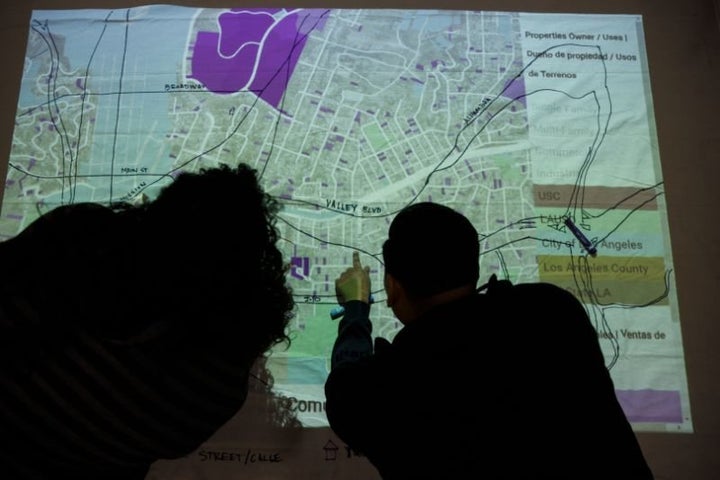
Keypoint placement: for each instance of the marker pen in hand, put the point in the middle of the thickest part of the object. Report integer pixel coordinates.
(339, 311)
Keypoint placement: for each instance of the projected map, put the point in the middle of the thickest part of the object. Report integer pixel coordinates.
(523, 122)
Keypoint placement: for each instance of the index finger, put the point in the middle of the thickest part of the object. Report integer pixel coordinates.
(356, 260)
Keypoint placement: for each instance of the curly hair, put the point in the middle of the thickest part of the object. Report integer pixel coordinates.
(147, 320)
(214, 236)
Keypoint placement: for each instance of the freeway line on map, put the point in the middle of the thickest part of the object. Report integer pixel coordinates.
(427, 172)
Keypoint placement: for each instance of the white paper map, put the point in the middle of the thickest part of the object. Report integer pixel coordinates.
(518, 120)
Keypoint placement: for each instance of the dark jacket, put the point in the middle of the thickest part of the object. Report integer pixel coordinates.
(510, 386)
(86, 391)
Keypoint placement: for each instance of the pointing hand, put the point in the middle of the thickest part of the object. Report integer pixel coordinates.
(353, 283)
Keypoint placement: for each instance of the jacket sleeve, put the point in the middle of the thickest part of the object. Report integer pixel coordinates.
(354, 340)
(352, 385)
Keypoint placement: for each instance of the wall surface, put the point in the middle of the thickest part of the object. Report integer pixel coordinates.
(683, 49)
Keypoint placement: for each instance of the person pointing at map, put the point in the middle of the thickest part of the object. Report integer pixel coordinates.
(501, 381)
(128, 332)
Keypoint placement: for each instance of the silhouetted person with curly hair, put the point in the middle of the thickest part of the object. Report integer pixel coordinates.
(128, 332)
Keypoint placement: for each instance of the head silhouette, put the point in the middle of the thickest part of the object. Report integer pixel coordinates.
(430, 249)
(210, 241)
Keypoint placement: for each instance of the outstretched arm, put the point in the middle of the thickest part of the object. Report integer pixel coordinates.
(354, 340)
(351, 389)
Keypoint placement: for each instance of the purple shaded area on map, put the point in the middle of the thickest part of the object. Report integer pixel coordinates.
(516, 90)
(652, 406)
(255, 49)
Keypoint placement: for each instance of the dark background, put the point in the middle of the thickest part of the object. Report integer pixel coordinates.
(683, 49)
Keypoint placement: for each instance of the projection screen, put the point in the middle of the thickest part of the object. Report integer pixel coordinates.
(529, 124)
